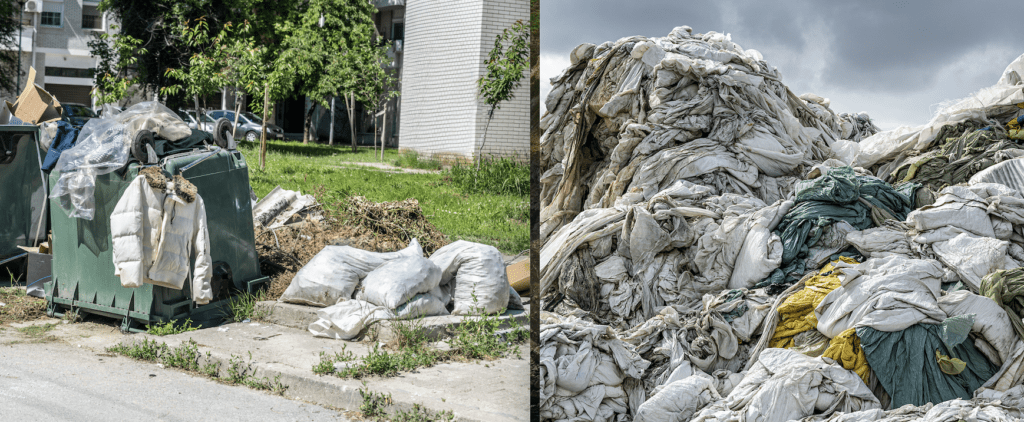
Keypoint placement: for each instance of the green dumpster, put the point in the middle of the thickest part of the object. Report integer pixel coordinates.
(22, 194)
(83, 267)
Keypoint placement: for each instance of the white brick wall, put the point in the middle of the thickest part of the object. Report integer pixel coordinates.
(445, 46)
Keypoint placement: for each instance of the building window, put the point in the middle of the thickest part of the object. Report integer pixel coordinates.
(398, 31)
(51, 15)
(90, 22)
(68, 72)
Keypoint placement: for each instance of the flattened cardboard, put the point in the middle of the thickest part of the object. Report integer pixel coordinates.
(35, 105)
(519, 275)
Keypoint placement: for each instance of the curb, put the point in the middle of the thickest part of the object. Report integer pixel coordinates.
(434, 328)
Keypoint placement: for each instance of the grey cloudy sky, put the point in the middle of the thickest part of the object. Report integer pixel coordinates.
(896, 60)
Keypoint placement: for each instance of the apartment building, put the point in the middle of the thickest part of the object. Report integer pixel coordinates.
(54, 40)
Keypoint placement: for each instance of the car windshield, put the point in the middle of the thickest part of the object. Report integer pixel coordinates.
(252, 118)
(186, 116)
(78, 111)
(206, 118)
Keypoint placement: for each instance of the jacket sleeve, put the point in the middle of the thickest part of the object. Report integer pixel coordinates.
(202, 292)
(126, 234)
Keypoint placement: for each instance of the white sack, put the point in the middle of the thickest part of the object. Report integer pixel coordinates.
(421, 305)
(334, 273)
(972, 257)
(397, 281)
(475, 269)
(347, 319)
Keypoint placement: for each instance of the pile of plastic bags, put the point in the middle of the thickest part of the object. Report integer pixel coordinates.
(728, 250)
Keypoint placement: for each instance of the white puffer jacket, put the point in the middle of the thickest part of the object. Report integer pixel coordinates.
(155, 227)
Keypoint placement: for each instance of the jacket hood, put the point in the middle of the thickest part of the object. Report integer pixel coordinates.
(158, 180)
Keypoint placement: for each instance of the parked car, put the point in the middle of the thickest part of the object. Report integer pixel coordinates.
(189, 117)
(249, 125)
(76, 114)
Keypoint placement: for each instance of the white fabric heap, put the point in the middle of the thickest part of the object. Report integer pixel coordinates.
(948, 411)
(587, 372)
(887, 294)
(785, 385)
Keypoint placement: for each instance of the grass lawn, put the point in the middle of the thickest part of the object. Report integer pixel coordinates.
(499, 220)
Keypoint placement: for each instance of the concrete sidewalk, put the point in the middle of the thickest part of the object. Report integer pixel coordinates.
(496, 390)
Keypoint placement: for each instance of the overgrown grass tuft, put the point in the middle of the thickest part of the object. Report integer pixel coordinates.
(503, 176)
(411, 159)
(242, 307)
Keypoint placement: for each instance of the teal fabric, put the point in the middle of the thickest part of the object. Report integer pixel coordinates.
(904, 363)
(834, 197)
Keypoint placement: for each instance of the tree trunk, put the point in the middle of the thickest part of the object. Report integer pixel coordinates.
(199, 125)
(238, 110)
(330, 137)
(307, 123)
(483, 139)
(263, 130)
(351, 103)
(384, 133)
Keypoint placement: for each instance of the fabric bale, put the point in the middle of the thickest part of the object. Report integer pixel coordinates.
(906, 366)
(678, 401)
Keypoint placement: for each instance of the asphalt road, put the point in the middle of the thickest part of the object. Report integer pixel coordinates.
(55, 381)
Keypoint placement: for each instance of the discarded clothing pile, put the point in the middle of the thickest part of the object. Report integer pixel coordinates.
(357, 288)
(773, 260)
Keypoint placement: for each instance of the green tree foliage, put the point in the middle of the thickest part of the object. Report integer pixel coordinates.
(506, 63)
(9, 46)
(334, 49)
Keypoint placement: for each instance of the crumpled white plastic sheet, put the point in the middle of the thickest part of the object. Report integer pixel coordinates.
(786, 385)
(586, 371)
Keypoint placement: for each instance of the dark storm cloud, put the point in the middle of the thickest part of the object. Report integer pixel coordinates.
(889, 51)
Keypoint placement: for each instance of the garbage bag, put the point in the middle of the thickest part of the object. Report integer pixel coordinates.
(334, 273)
(347, 319)
(476, 274)
(102, 147)
(421, 305)
(396, 281)
(906, 366)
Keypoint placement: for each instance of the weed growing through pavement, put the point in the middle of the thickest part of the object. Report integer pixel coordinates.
(374, 404)
(477, 337)
(171, 327)
(186, 356)
(243, 307)
(421, 414)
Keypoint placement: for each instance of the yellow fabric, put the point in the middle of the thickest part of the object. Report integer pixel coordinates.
(796, 313)
(845, 349)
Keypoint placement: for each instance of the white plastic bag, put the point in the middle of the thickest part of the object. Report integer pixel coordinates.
(347, 319)
(334, 273)
(478, 274)
(421, 305)
(397, 281)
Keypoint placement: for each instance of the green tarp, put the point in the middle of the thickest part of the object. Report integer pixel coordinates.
(839, 195)
(905, 364)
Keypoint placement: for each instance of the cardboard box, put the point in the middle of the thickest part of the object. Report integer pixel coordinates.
(519, 275)
(35, 105)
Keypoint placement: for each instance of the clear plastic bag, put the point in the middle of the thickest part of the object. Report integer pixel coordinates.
(102, 147)
(155, 117)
